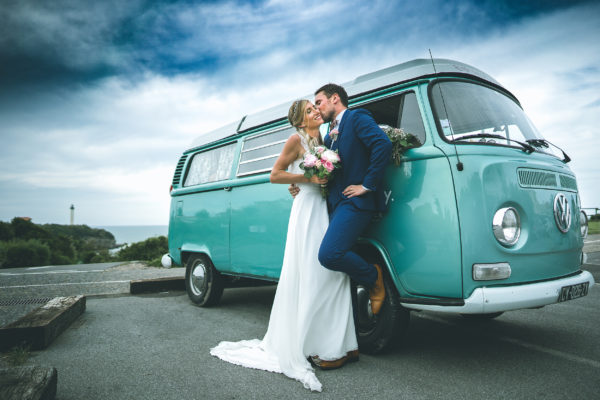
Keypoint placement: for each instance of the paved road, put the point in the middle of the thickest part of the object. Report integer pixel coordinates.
(157, 347)
(87, 279)
(18, 286)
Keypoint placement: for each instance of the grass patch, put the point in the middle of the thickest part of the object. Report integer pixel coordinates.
(594, 227)
(18, 355)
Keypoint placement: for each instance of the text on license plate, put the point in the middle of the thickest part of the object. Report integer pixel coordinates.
(573, 291)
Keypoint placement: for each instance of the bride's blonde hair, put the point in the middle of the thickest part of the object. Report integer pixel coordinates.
(296, 118)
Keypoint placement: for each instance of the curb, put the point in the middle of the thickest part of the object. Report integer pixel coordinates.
(156, 285)
(44, 324)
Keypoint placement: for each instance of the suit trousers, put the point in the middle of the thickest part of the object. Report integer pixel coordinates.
(346, 224)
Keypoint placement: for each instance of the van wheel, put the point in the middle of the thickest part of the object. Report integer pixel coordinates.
(203, 283)
(482, 316)
(376, 332)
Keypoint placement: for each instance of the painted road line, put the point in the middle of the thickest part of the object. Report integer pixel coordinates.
(50, 272)
(530, 346)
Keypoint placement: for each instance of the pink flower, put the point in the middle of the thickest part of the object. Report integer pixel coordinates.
(309, 160)
(320, 149)
(329, 155)
(318, 164)
(328, 166)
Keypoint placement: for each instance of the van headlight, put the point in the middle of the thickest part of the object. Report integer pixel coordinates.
(507, 226)
(583, 223)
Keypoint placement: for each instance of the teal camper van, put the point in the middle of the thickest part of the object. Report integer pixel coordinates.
(483, 217)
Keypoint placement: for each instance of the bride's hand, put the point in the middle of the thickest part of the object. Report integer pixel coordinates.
(316, 179)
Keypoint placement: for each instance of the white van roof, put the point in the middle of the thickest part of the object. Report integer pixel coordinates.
(408, 71)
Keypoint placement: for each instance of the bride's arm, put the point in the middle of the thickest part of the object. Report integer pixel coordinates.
(290, 152)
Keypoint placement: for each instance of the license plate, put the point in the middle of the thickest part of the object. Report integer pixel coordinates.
(573, 291)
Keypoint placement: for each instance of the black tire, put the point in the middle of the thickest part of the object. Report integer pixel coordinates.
(482, 317)
(203, 283)
(377, 332)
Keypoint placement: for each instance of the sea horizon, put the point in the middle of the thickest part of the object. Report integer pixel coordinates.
(134, 233)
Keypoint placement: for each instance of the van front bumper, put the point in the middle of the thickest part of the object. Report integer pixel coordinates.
(487, 300)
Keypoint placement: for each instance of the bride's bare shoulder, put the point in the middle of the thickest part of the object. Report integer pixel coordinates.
(294, 139)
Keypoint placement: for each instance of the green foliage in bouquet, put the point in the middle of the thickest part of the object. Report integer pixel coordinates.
(401, 141)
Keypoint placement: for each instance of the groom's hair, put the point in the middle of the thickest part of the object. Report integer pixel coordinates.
(331, 88)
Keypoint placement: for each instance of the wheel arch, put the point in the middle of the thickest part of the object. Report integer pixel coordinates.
(186, 253)
(371, 249)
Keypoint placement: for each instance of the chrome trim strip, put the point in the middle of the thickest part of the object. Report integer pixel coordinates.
(258, 159)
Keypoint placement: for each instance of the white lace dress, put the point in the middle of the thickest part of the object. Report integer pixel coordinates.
(312, 309)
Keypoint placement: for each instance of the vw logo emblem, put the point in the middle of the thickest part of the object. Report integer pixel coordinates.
(562, 212)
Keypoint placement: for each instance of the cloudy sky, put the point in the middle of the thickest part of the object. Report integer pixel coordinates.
(99, 98)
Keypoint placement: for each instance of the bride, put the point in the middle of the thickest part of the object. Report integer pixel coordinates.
(311, 316)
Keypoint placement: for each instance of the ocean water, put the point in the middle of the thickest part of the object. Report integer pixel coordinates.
(135, 233)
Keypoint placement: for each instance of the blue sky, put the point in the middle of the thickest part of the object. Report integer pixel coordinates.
(99, 99)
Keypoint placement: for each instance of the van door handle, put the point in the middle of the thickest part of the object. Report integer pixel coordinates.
(227, 189)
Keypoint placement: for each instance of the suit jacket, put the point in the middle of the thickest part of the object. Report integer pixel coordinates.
(365, 151)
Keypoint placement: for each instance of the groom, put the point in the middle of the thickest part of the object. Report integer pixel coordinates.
(364, 150)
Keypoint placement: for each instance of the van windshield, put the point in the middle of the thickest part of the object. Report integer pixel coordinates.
(477, 114)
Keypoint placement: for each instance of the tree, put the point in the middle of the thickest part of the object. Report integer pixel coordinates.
(6, 232)
(147, 250)
(25, 229)
(26, 253)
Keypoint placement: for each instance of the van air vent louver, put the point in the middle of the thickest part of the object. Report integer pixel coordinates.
(537, 179)
(179, 170)
(568, 182)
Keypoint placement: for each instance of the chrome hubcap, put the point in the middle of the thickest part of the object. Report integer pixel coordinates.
(197, 278)
(366, 319)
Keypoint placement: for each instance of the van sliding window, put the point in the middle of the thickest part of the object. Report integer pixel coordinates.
(259, 152)
(399, 111)
(211, 165)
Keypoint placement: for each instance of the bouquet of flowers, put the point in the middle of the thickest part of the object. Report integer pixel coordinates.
(321, 162)
(401, 141)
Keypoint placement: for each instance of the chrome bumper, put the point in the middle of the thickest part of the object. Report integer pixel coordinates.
(487, 300)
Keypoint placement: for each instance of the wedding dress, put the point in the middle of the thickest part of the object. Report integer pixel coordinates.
(312, 309)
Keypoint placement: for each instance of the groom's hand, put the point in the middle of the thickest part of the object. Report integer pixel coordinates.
(354, 190)
(293, 189)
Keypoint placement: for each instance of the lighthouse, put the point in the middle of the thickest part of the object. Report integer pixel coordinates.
(72, 214)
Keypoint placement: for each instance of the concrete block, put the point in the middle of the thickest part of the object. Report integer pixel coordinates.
(28, 383)
(41, 326)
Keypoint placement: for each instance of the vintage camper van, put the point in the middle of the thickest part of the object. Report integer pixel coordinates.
(483, 217)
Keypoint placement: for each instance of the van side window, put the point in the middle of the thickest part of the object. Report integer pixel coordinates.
(211, 165)
(400, 111)
(410, 118)
(259, 152)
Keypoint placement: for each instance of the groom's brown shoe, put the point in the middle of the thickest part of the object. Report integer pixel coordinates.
(377, 292)
(352, 355)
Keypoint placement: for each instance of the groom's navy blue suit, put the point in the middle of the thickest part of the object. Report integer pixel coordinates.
(364, 150)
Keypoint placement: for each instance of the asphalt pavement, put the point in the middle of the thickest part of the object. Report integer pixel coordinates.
(157, 346)
(24, 289)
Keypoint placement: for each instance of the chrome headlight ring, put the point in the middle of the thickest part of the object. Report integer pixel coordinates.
(506, 226)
